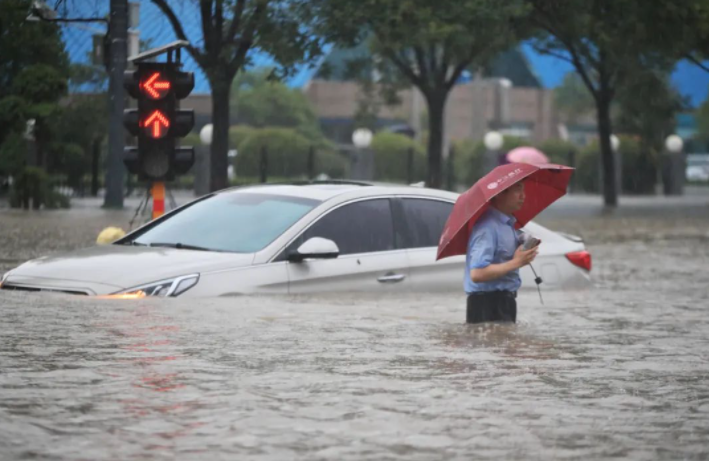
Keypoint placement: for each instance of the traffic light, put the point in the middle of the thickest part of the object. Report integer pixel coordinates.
(158, 122)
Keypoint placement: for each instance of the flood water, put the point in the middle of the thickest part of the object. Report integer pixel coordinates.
(618, 371)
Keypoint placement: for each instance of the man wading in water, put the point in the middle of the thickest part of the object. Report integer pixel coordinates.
(494, 258)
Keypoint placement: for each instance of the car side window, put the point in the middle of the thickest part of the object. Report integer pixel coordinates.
(425, 220)
(360, 227)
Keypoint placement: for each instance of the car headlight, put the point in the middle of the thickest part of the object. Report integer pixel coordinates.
(164, 288)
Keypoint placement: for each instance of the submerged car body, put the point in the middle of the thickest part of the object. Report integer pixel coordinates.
(309, 238)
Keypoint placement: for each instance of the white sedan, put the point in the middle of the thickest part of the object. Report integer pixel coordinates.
(314, 237)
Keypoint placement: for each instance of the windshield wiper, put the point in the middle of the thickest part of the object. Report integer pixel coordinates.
(132, 243)
(179, 246)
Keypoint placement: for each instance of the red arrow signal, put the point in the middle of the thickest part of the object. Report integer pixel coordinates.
(155, 88)
(157, 124)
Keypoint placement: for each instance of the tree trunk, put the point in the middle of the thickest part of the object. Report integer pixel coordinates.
(436, 107)
(605, 130)
(219, 161)
(95, 157)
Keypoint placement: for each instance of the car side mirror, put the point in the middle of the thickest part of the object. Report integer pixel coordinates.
(315, 248)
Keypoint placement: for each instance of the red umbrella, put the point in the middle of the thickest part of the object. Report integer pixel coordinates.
(544, 184)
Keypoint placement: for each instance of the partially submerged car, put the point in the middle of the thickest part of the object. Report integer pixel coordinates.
(295, 238)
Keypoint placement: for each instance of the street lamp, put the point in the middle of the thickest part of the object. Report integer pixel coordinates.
(362, 161)
(205, 134)
(202, 161)
(673, 166)
(493, 140)
(362, 138)
(617, 165)
(615, 143)
(674, 144)
(493, 143)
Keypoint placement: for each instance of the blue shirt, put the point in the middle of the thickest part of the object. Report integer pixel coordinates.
(493, 240)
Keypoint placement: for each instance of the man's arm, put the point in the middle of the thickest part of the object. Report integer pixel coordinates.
(495, 271)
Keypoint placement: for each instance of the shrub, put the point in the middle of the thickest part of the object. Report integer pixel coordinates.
(469, 156)
(391, 157)
(287, 154)
(32, 186)
(638, 166)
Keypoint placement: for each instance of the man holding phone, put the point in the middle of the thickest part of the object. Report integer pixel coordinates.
(494, 258)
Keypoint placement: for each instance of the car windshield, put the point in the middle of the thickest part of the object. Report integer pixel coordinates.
(241, 222)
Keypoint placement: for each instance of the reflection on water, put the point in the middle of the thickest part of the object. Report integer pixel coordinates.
(618, 371)
(588, 375)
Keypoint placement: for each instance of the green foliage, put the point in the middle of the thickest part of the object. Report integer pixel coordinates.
(572, 98)
(702, 115)
(469, 158)
(13, 154)
(468, 161)
(391, 157)
(72, 133)
(611, 44)
(287, 154)
(588, 169)
(238, 134)
(639, 167)
(33, 67)
(13, 113)
(557, 150)
(41, 86)
(32, 187)
(192, 139)
(72, 161)
(260, 101)
(229, 31)
(647, 106)
(423, 43)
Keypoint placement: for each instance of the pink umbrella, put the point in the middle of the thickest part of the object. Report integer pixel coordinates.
(527, 155)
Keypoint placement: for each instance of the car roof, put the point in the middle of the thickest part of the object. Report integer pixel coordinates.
(326, 190)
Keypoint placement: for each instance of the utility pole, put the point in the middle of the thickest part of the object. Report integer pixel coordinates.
(118, 37)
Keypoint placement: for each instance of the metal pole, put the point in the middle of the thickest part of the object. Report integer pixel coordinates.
(95, 157)
(263, 166)
(158, 193)
(572, 164)
(311, 163)
(118, 30)
(410, 166)
(451, 171)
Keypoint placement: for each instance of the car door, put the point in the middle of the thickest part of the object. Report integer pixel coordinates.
(370, 257)
(423, 220)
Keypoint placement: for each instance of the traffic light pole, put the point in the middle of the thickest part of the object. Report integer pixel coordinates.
(118, 29)
(158, 193)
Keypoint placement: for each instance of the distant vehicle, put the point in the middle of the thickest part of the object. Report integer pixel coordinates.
(697, 167)
(309, 238)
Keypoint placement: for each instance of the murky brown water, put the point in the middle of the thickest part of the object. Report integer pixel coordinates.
(618, 371)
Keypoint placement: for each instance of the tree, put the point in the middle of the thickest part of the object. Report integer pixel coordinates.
(647, 107)
(703, 122)
(33, 68)
(261, 102)
(230, 29)
(426, 43)
(572, 98)
(607, 41)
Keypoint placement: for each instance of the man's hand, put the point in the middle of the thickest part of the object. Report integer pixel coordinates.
(495, 271)
(524, 257)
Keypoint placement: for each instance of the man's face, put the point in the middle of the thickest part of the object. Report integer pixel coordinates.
(512, 199)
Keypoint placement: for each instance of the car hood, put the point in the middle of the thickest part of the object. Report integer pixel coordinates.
(115, 267)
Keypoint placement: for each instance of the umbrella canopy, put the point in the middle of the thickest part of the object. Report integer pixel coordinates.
(543, 185)
(527, 155)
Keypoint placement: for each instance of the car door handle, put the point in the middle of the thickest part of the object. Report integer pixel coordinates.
(391, 278)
